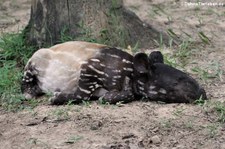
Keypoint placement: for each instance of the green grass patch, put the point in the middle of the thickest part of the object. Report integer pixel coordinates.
(13, 56)
(210, 106)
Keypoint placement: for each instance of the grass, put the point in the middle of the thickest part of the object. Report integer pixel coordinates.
(219, 107)
(13, 56)
(36, 141)
(213, 71)
(210, 106)
(181, 54)
(212, 130)
(179, 111)
(61, 113)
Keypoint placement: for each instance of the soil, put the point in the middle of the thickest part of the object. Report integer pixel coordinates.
(138, 124)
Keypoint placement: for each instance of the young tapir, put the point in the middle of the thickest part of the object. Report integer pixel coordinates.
(157, 81)
(80, 70)
(77, 71)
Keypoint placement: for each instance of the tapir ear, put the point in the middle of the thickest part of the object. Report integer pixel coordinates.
(156, 57)
(141, 63)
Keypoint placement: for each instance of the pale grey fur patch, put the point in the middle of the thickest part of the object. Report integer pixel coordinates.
(83, 62)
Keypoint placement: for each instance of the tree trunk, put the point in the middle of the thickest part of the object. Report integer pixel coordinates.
(103, 21)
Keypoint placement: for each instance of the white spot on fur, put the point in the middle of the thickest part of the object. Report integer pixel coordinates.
(114, 80)
(28, 71)
(101, 79)
(141, 83)
(152, 87)
(128, 69)
(117, 71)
(102, 65)
(87, 75)
(126, 61)
(95, 60)
(96, 70)
(106, 75)
(97, 85)
(94, 83)
(112, 55)
(153, 92)
(84, 90)
(141, 88)
(91, 87)
(162, 90)
(78, 96)
(116, 77)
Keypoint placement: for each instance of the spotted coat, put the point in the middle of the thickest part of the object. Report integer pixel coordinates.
(78, 71)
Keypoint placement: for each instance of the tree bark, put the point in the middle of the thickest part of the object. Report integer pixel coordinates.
(103, 21)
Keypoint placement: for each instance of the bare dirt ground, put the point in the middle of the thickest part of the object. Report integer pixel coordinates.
(138, 124)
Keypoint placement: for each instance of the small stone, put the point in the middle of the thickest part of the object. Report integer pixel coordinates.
(155, 139)
(96, 125)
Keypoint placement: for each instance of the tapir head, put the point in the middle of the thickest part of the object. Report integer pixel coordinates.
(157, 81)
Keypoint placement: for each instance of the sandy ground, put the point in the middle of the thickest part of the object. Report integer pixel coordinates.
(138, 124)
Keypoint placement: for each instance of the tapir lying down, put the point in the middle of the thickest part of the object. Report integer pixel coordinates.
(78, 70)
